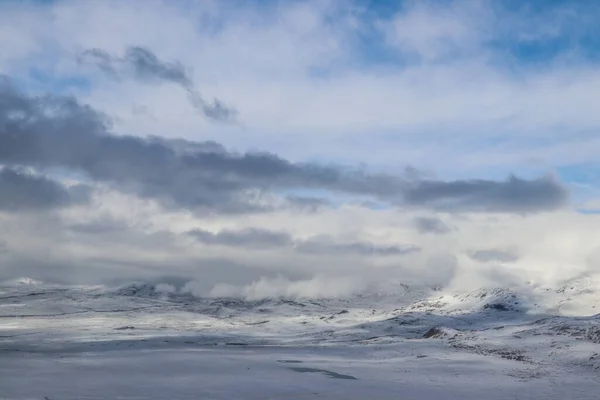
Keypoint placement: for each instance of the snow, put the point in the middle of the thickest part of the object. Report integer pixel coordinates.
(144, 342)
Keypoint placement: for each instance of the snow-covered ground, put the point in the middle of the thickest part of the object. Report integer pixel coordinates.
(139, 343)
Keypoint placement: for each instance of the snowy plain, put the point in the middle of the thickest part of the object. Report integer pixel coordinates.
(139, 342)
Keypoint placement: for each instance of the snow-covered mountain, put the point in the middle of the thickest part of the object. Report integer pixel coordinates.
(493, 335)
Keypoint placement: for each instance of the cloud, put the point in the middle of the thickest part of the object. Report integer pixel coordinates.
(431, 225)
(57, 131)
(23, 191)
(319, 245)
(99, 226)
(513, 195)
(165, 288)
(326, 245)
(305, 203)
(432, 31)
(249, 237)
(494, 255)
(317, 287)
(142, 64)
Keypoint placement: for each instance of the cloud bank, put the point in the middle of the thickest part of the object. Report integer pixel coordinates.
(59, 132)
(261, 238)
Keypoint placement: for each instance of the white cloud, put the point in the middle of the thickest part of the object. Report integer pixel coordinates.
(165, 288)
(317, 287)
(432, 30)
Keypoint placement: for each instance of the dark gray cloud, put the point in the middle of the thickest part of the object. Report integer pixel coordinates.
(56, 131)
(250, 237)
(513, 195)
(101, 59)
(215, 110)
(146, 65)
(323, 245)
(431, 225)
(142, 64)
(326, 245)
(310, 204)
(22, 191)
(101, 226)
(494, 255)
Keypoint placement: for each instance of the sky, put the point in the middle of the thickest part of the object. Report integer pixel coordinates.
(299, 148)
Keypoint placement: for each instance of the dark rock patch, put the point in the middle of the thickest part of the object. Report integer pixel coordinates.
(498, 307)
(434, 332)
(125, 328)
